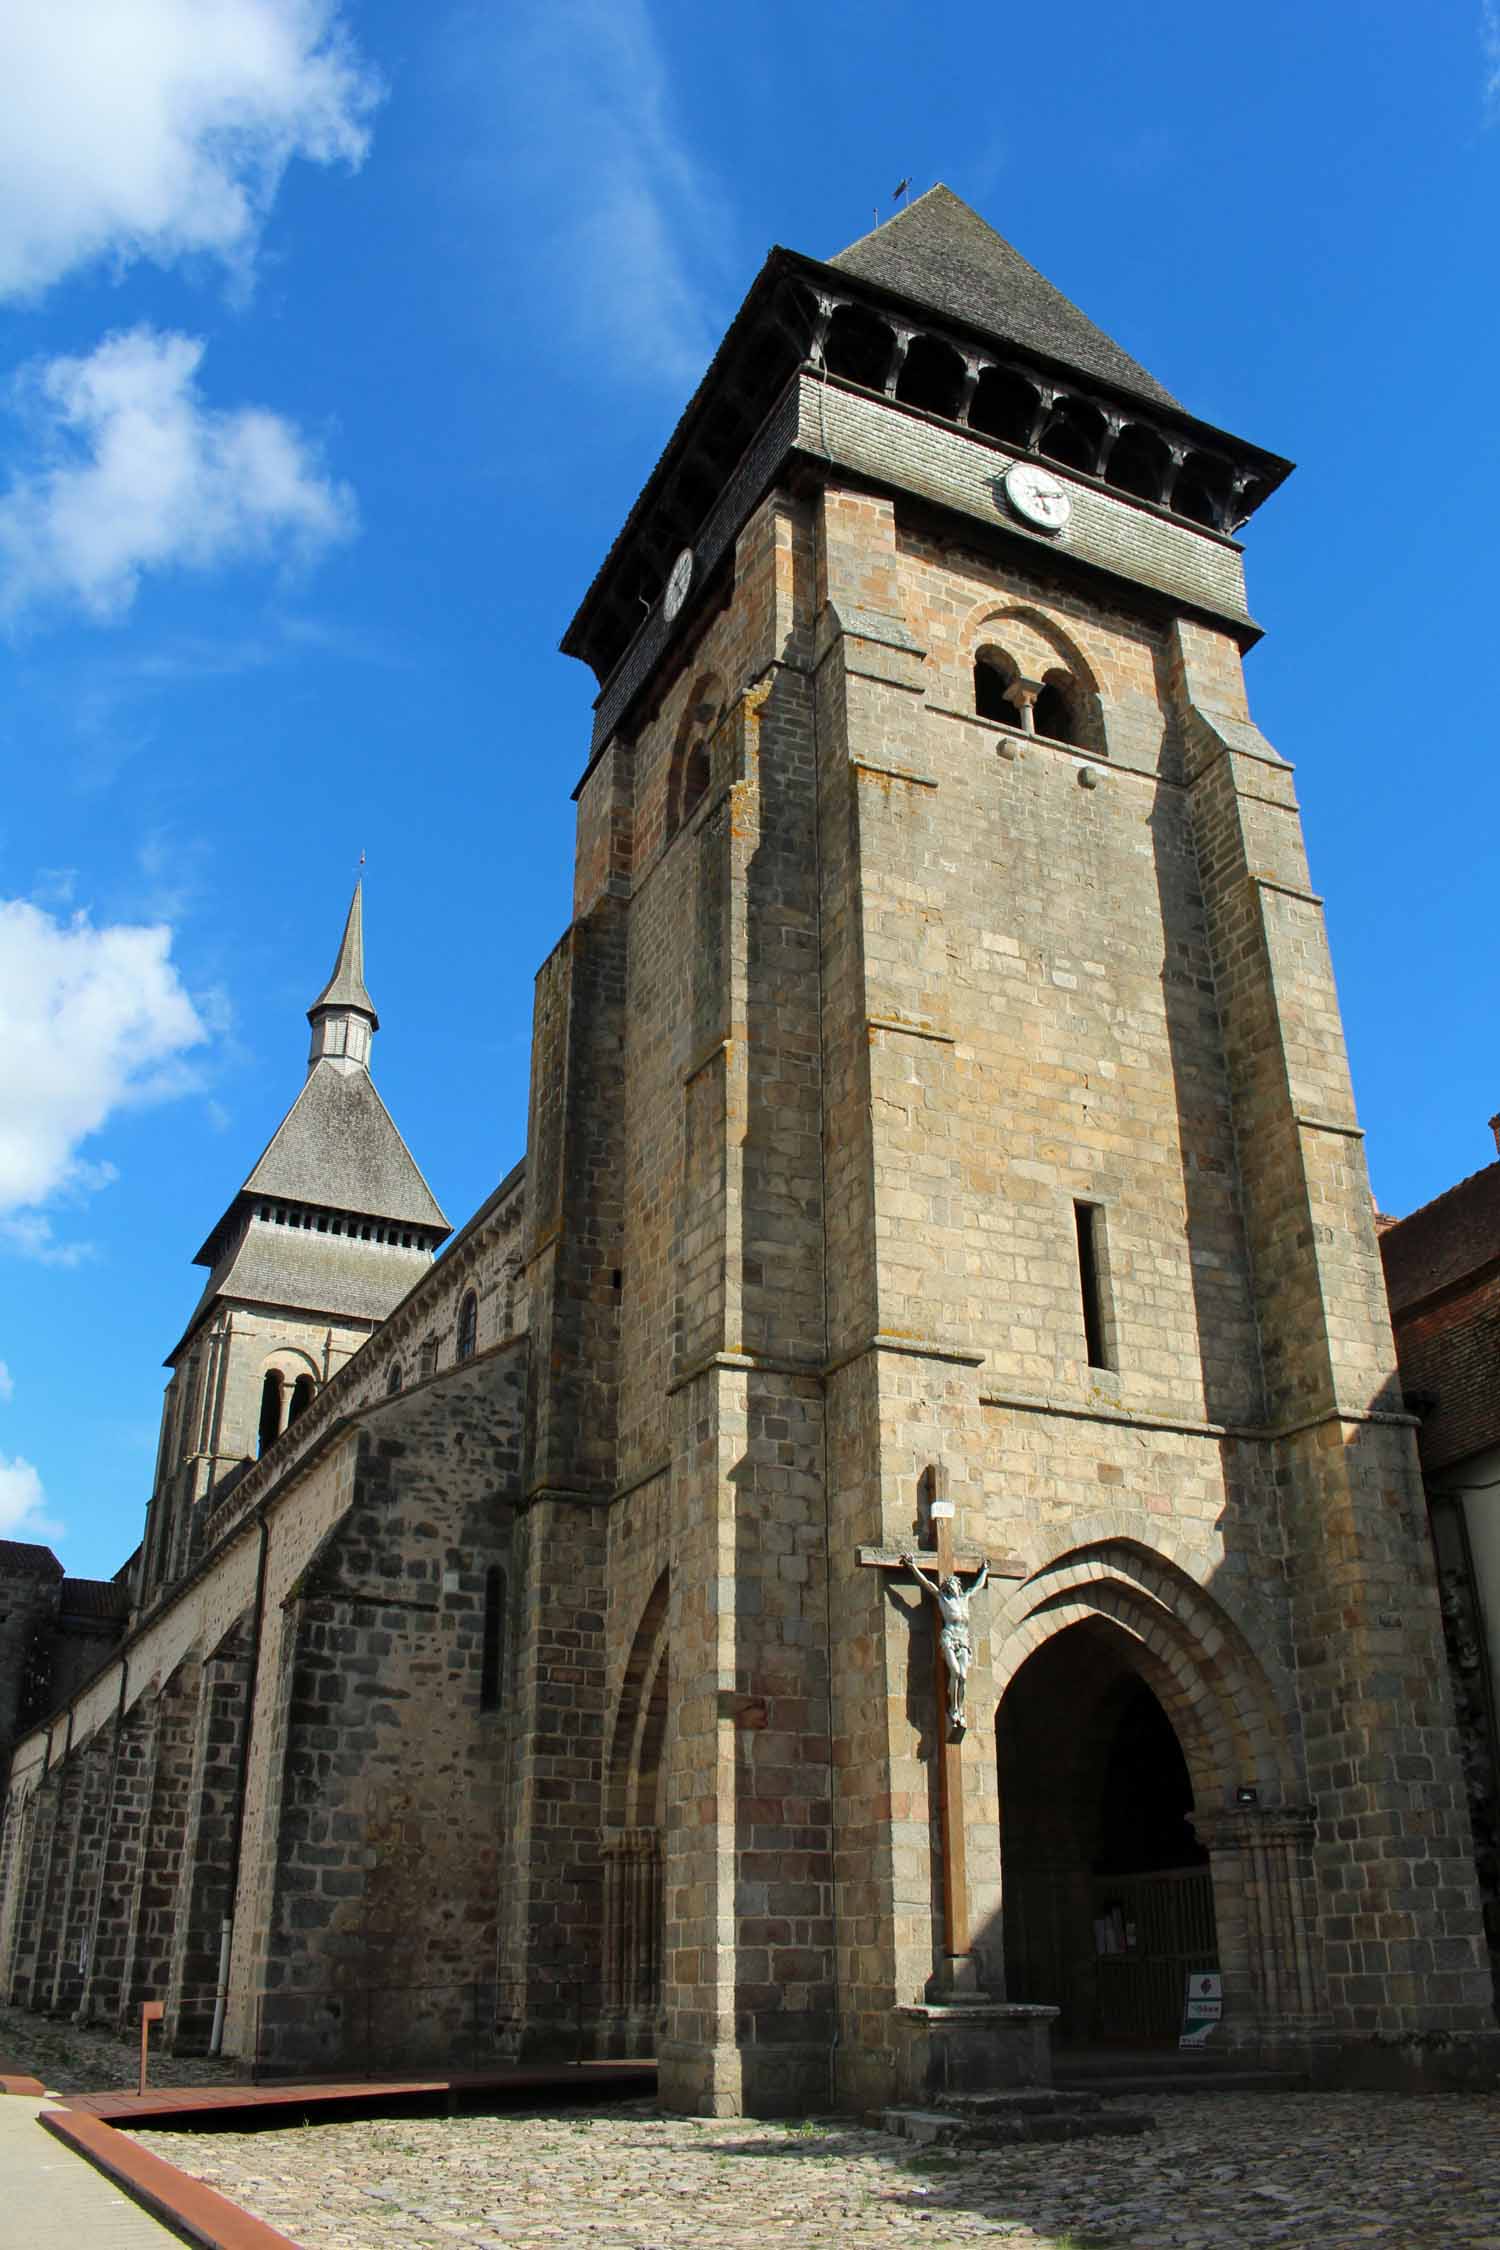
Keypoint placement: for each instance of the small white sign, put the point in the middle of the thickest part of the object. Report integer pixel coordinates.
(941, 1508)
(1203, 2007)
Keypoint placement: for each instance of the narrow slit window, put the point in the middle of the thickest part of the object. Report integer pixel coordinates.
(492, 1662)
(1089, 1220)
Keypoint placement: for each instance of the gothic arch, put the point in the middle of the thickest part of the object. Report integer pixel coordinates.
(1228, 1704)
(630, 1748)
(634, 1898)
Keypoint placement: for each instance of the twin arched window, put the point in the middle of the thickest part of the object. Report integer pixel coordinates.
(468, 1326)
(1054, 709)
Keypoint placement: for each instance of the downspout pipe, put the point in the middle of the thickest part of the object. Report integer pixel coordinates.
(242, 1781)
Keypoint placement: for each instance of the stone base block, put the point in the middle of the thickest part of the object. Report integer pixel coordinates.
(1434, 2062)
(961, 2046)
(787, 2080)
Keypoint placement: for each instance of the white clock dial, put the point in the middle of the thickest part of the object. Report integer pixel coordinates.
(1037, 497)
(678, 584)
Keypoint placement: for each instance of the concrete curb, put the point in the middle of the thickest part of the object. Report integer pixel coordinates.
(198, 2213)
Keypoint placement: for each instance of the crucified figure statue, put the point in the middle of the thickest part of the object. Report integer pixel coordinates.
(955, 1639)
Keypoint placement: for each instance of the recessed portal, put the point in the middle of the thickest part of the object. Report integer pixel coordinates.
(1108, 1899)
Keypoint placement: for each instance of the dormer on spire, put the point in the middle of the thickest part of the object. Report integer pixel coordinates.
(343, 1016)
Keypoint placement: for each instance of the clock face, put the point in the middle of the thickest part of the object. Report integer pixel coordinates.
(678, 584)
(1037, 497)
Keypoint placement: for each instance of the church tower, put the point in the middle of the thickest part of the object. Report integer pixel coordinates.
(942, 1142)
(333, 1226)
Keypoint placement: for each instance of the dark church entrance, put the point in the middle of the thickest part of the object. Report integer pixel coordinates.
(1108, 1898)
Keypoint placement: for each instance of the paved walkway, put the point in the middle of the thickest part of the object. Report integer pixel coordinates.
(51, 2200)
(1220, 2172)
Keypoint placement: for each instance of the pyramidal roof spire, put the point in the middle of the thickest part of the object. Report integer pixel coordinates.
(343, 1015)
(937, 251)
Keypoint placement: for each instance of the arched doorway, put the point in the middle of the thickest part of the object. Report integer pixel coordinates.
(1107, 1890)
(634, 1897)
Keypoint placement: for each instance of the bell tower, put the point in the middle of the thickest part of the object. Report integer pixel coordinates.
(940, 1088)
(332, 1227)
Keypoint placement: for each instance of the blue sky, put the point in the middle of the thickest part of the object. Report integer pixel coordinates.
(335, 343)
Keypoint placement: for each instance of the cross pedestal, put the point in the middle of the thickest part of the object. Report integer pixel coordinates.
(958, 2037)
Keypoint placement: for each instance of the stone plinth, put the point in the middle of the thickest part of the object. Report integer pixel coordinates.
(959, 2046)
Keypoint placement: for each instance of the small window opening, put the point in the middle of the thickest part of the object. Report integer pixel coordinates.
(302, 1398)
(1089, 1220)
(932, 377)
(393, 1381)
(694, 780)
(270, 1411)
(992, 676)
(468, 1326)
(1053, 713)
(1004, 406)
(492, 1662)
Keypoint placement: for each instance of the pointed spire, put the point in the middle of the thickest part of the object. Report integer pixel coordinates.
(343, 1015)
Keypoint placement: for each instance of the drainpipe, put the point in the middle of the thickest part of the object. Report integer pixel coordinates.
(226, 1927)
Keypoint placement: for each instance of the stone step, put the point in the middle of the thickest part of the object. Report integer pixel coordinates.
(951, 2128)
(1219, 2080)
(1018, 2101)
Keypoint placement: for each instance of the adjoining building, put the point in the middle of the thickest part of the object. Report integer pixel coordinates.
(940, 1143)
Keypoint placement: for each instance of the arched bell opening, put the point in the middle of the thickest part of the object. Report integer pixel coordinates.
(269, 1428)
(932, 377)
(860, 347)
(1074, 435)
(1005, 406)
(1108, 1894)
(1138, 462)
(1201, 492)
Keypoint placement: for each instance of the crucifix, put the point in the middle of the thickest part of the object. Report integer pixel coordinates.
(939, 1570)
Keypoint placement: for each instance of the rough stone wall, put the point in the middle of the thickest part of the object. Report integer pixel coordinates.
(383, 1834)
(30, 1581)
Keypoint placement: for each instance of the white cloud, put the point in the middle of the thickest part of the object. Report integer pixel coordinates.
(161, 129)
(23, 1503)
(135, 472)
(92, 1021)
(597, 169)
(1489, 48)
(7, 1383)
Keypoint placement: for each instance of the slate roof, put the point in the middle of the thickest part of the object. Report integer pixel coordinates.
(27, 1558)
(102, 1598)
(317, 1273)
(346, 987)
(1443, 1242)
(939, 252)
(338, 1147)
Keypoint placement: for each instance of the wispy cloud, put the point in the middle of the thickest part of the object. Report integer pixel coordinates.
(7, 1384)
(23, 1504)
(1489, 48)
(131, 471)
(588, 158)
(160, 129)
(92, 1021)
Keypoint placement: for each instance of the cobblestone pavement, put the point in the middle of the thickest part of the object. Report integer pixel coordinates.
(71, 2061)
(1258, 2172)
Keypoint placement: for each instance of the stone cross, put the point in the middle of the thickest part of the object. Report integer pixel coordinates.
(940, 1558)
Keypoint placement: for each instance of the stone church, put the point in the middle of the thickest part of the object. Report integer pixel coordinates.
(941, 1159)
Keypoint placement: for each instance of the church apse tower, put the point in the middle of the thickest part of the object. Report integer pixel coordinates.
(333, 1226)
(941, 1130)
